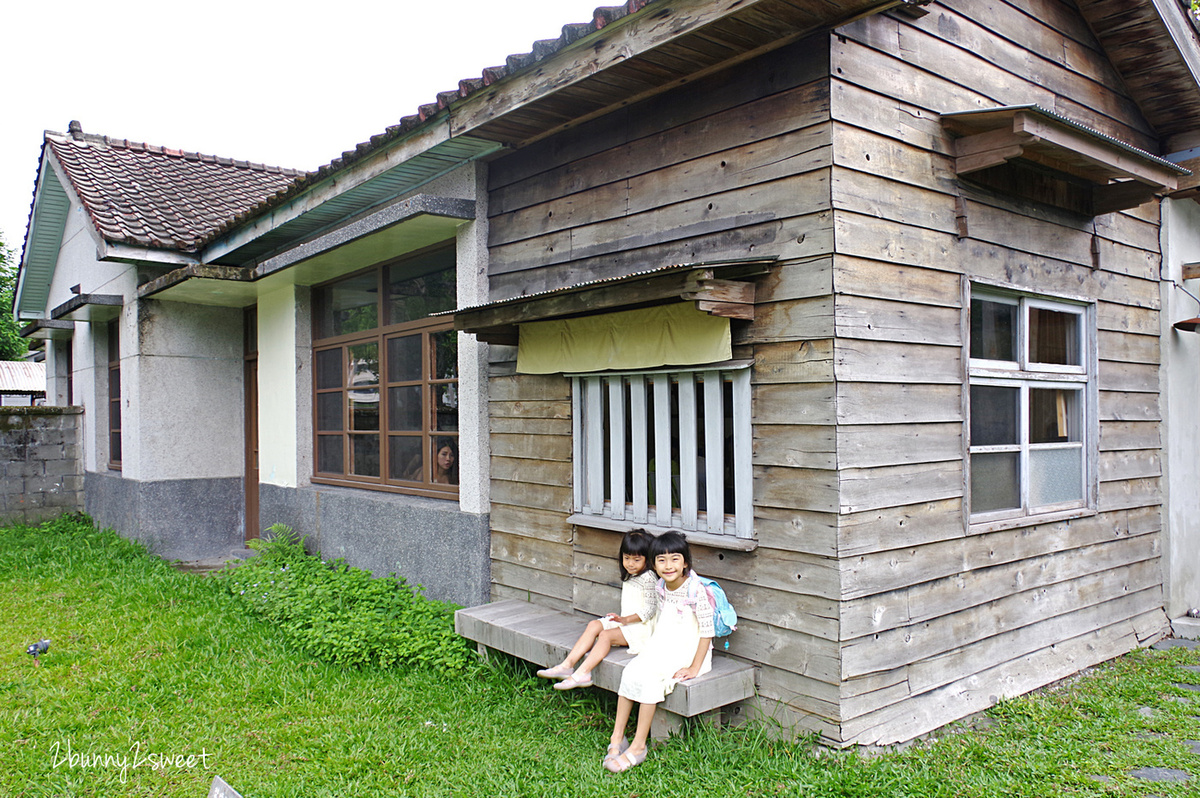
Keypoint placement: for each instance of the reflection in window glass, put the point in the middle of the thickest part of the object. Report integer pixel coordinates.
(404, 458)
(348, 306)
(364, 410)
(993, 330)
(329, 368)
(1028, 422)
(404, 408)
(1053, 415)
(447, 407)
(330, 457)
(386, 385)
(994, 415)
(363, 366)
(1053, 337)
(445, 347)
(404, 358)
(364, 451)
(421, 286)
(329, 412)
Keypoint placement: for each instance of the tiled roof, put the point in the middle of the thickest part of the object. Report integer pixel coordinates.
(158, 197)
(514, 63)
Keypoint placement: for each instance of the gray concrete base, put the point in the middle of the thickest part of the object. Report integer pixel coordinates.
(177, 519)
(429, 542)
(1186, 627)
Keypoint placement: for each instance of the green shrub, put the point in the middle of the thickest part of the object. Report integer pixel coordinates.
(342, 614)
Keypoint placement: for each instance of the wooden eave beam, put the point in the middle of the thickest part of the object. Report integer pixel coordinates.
(1057, 146)
(730, 298)
(665, 25)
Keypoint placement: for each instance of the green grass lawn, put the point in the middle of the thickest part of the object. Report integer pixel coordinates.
(149, 666)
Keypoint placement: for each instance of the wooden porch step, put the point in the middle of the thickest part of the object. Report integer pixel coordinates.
(544, 636)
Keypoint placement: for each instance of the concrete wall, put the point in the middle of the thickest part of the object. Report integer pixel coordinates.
(177, 519)
(40, 472)
(427, 541)
(1181, 427)
(182, 392)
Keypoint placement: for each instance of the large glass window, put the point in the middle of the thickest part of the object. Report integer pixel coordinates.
(665, 449)
(1028, 430)
(386, 377)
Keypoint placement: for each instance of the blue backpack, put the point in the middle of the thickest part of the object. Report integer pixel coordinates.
(724, 616)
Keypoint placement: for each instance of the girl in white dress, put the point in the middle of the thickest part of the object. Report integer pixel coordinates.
(639, 602)
(680, 649)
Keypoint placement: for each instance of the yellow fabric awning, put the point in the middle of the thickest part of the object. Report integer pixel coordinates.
(667, 335)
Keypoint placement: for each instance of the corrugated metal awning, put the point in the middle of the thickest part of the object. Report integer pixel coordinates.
(19, 376)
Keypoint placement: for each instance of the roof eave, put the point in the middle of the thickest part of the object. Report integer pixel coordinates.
(479, 114)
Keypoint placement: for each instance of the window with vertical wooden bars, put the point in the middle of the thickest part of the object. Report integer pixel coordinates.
(668, 449)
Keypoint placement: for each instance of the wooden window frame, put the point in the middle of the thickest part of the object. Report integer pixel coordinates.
(114, 400)
(1026, 376)
(427, 327)
(599, 402)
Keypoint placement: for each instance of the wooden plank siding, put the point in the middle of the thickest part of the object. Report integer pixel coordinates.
(875, 609)
(933, 609)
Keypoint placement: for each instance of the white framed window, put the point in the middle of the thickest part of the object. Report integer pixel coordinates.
(1030, 425)
(628, 427)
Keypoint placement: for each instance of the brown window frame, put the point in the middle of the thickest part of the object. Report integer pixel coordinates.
(114, 395)
(379, 336)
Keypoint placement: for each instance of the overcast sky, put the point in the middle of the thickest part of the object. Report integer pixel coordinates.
(283, 83)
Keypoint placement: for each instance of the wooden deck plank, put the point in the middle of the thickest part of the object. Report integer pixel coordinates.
(543, 636)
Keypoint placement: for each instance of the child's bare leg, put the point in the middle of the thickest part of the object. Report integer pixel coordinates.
(642, 735)
(624, 709)
(600, 649)
(581, 647)
(584, 643)
(636, 752)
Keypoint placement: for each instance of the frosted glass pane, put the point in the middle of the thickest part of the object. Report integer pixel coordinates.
(995, 481)
(1055, 475)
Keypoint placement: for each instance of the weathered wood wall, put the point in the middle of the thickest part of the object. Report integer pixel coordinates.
(737, 165)
(876, 611)
(939, 617)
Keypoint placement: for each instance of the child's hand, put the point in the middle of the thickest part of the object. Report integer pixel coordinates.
(612, 616)
(683, 674)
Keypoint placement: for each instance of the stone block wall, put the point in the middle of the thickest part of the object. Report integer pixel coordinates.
(41, 470)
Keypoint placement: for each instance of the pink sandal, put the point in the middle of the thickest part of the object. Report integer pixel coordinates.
(622, 763)
(615, 750)
(559, 671)
(570, 683)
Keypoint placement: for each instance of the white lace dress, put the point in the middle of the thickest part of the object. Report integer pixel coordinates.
(638, 597)
(678, 629)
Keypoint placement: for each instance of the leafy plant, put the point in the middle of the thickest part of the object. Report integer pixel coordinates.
(342, 614)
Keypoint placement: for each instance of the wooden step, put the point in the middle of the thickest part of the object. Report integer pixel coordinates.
(544, 636)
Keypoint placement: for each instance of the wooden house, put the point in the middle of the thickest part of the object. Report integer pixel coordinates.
(872, 299)
(927, 466)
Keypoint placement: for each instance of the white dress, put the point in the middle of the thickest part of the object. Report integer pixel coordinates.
(638, 597)
(678, 629)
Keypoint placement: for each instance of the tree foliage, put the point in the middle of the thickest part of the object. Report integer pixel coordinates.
(12, 345)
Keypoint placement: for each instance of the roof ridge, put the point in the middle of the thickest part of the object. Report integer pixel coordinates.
(77, 137)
